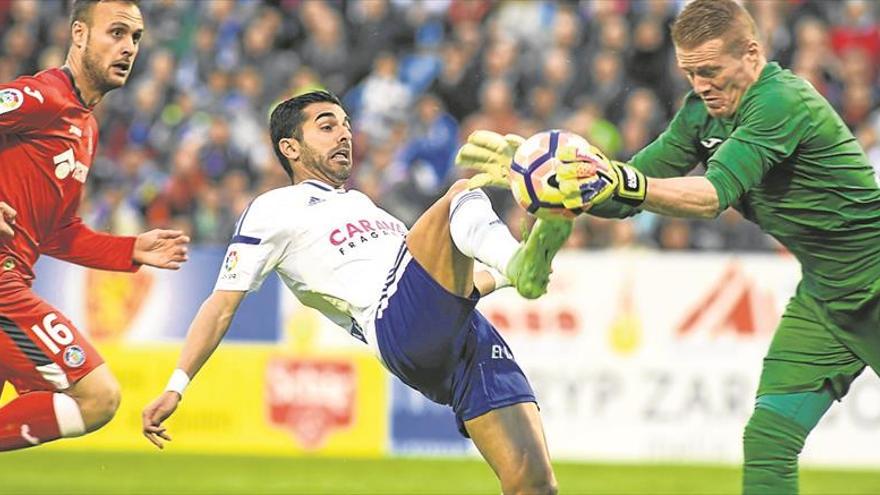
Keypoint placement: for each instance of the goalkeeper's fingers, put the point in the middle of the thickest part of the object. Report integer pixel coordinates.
(570, 153)
(489, 140)
(584, 193)
(575, 170)
(514, 140)
(575, 202)
(487, 180)
(477, 157)
(577, 158)
(567, 154)
(571, 178)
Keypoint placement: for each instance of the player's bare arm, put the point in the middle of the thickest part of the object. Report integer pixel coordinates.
(692, 197)
(161, 248)
(7, 218)
(204, 335)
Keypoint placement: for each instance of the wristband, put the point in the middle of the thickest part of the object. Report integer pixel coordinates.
(633, 186)
(178, 382)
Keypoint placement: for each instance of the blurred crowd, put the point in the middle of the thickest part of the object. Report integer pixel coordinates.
(185, 143)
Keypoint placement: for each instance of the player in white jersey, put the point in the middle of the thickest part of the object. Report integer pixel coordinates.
(409, 295)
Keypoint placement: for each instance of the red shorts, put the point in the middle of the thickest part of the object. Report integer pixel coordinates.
(40, 349)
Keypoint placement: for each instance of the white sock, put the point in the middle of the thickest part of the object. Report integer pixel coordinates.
(68, 415)
(478, 232)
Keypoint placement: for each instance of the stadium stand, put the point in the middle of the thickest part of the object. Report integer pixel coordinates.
(185, 145)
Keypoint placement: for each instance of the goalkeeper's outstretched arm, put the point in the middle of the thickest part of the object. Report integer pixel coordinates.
(655, 180)
(205, 334)
(619, 190)
(690, 197)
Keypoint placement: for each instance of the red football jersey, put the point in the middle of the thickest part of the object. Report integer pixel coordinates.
(48, 138)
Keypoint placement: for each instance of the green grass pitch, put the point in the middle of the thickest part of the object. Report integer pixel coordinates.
(69, 472)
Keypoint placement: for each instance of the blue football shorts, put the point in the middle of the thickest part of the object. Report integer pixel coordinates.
(439, 344)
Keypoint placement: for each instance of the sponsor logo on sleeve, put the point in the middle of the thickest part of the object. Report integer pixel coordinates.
(231, 261)
(10, 99)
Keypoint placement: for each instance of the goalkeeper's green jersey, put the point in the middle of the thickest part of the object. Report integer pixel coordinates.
(787, 162)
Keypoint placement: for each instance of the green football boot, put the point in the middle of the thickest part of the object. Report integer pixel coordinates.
(529, 269)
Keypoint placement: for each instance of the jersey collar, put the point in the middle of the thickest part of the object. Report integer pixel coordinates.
(322, 185)
(769, 70)
(66, 70)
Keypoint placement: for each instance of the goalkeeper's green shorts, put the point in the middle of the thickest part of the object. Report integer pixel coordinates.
(822, 341)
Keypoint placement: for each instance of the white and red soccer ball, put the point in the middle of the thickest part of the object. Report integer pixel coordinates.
(533, 172)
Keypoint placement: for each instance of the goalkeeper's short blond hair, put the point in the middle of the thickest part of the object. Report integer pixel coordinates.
(706, 20)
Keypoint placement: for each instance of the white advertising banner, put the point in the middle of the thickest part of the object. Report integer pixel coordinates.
(641, 356)
(637, 356)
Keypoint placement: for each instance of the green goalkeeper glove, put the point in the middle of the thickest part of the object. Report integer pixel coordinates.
(491, 154)
(586, 181)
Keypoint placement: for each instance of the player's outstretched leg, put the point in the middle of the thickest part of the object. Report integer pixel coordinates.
(512, 441)
(466, 216)
(529, 269)
(460, 227)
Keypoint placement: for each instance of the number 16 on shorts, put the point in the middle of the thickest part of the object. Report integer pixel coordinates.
(53, 335)
(58, 337)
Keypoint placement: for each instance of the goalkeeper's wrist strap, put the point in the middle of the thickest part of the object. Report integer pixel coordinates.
(178, 382)
(633, 186)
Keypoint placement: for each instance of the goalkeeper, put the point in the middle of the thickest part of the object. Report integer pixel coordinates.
(775, 150)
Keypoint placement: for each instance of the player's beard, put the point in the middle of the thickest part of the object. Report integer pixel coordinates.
(324, 165)
(93, 71)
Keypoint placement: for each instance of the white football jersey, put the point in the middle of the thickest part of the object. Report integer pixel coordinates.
(332, 247)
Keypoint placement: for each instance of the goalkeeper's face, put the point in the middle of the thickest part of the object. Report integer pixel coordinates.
(325, 149)
(720, 77)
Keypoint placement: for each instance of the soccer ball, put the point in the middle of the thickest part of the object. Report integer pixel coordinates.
(533, 172)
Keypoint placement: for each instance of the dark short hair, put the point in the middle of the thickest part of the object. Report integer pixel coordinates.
(287, 119)
(82, 9)
(704, 20)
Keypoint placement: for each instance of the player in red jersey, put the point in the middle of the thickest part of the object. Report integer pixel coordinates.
(48, 137)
